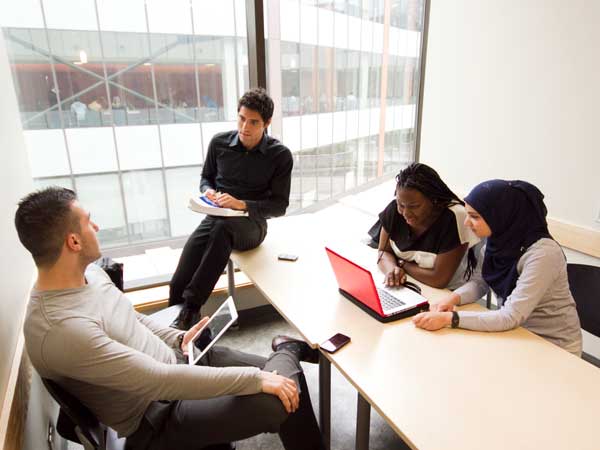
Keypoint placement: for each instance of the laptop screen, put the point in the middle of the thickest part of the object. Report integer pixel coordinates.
(355, 280)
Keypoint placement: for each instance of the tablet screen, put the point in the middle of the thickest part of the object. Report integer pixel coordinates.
(219, 322)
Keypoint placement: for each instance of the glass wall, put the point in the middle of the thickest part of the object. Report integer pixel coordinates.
(345, 121)
(119, 100)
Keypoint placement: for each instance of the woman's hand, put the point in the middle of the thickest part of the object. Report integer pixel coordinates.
(432, 321)
(189, 334)
(281, 387)
(446, 304)
(395, 277)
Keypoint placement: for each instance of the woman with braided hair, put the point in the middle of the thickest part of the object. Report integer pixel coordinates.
(423, 232)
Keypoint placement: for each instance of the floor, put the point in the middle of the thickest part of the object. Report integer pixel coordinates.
(255, 336)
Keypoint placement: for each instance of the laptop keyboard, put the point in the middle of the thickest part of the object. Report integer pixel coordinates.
(388, 301)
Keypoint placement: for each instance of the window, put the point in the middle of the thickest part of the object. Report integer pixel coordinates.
(119, 100)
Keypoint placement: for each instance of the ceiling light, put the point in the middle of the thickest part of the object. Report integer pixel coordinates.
(83, 57)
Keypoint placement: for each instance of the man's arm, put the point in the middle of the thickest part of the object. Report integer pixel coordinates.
(540, 269)
(81, 350)
(209, 170)
(167, 334)
(279, 199)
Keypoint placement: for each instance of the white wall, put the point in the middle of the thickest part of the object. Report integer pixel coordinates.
(18, 270)
(512, 90)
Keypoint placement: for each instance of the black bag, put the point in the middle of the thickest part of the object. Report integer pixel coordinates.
(374, 232)
(113, 269)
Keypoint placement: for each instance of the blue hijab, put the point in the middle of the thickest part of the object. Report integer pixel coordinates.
(516, 214)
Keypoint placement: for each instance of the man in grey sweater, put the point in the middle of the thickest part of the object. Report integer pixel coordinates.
(82, 333)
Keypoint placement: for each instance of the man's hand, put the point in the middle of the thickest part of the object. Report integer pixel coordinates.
(432, 320)
(211, 194)
(282, 387)
(395, 277)
(446, 304)
(189, 334)
(228, 201)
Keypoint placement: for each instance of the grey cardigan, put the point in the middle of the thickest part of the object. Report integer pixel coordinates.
(540, 302)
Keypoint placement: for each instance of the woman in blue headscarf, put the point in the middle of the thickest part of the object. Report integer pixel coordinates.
(522, 264)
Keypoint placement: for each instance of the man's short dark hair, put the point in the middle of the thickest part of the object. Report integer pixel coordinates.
(43, 219)
(258, 100)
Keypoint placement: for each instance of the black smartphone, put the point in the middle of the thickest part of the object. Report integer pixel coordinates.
(335, 342)
(287, 257)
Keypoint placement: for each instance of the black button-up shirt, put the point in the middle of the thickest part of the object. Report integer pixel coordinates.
(261, 177)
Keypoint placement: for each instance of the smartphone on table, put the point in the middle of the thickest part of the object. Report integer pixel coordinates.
(335, 342)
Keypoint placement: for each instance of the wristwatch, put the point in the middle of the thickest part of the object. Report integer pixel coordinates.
(401, 262)
(180, 340)
(455, 319)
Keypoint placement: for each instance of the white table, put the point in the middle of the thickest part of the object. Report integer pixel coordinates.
(438, 390)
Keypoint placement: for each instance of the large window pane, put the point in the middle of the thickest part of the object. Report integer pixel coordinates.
(146, 205)
(181, 183)
(36, 91)
(101, 195)
(290, 78)
(79, 70)
(173, 65)
(129, 72)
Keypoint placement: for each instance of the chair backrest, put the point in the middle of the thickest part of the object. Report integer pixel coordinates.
(76, 422)
(584, 282)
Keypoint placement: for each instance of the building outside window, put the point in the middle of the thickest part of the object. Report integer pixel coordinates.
(119, 100)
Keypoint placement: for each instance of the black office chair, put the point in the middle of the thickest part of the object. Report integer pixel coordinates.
(76, 423)
(584, 282)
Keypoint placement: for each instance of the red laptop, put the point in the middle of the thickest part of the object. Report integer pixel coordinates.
(384, 303)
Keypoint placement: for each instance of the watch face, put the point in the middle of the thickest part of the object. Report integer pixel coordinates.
(454, 319)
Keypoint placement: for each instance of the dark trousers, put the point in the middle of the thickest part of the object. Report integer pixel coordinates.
(195, 424)
(206, 253)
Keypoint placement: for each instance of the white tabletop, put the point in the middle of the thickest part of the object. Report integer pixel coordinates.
(438, 390)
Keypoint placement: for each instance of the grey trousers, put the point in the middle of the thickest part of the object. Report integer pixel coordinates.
(196, 424)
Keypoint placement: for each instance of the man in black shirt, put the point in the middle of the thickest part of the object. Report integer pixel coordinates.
(244, 170)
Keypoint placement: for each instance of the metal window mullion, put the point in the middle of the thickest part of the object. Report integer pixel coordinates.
(300, 145)
(114, 133)
(318, 102)
(55, 81)
(197, 81)
(162, 159)
(358, 137)
(419, 115)
(235, 52)
(333, 110)
(256, 43)
(371, 115)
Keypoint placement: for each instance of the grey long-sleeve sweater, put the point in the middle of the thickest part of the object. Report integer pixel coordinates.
(116, 361)
(540, 302)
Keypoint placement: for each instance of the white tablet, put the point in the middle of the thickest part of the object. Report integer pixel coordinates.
(219, 322)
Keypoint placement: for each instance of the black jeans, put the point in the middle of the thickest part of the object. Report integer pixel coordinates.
(206, 253)
(195, 424)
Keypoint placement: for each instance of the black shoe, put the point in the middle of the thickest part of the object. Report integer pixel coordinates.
(300, 348)
(186, 319)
